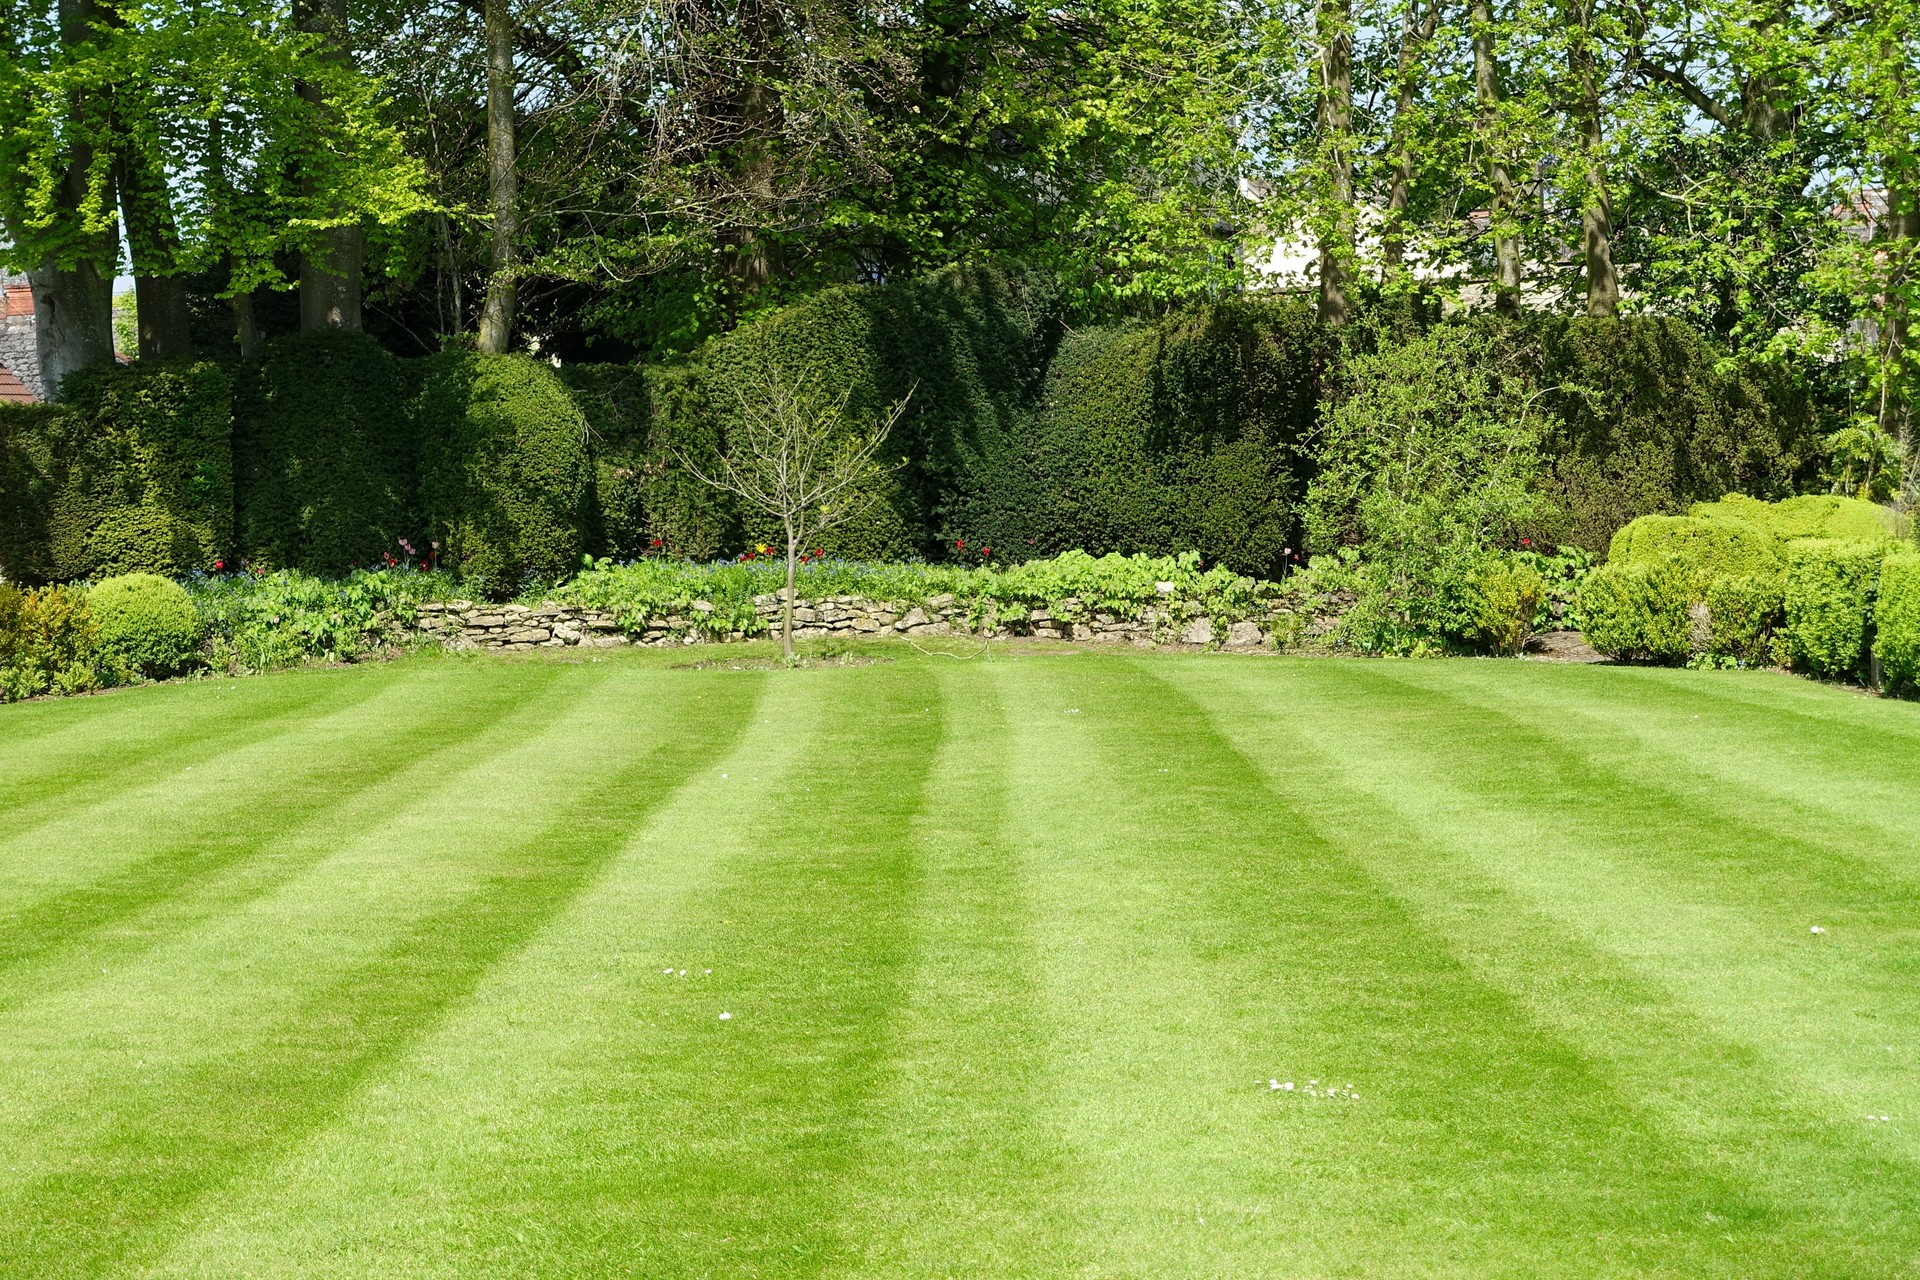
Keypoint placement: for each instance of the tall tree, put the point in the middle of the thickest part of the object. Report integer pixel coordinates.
(331, 267)
(1596, 203)
(1418, 23)
(1333, 30)
(56, 178)
(503, 180)
(1503, 216)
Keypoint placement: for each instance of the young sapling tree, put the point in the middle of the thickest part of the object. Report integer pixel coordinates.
(794, 453)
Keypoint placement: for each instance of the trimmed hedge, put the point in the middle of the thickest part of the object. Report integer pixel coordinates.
(326, 454)
(135, 468)
(1744, 611)
(1651, 419)
(1829, 598)
(1813, 515)
(1184, 435)
(1896, 617)
(1710, 548)
(504, 478)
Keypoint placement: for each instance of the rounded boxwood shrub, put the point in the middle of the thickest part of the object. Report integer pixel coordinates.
(147, 625)
(1640, 612)
(1896, 617)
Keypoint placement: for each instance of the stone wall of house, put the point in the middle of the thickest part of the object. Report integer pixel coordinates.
(467, 625)
(18, 350)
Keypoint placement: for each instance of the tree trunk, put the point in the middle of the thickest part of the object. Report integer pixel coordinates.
(1898, 382)
(1334, 25)
(503, 181)
(1415, 33)
(1596, 210)
(159, 295)
(330, 271)
(73, 298)
(455, 315)
(1486, 86)
(246, 329)
(758, 117)
(72, 320)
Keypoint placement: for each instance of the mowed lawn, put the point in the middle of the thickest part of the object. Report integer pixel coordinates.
(422, 970)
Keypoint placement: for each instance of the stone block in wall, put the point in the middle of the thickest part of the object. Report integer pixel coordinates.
(1245, 635)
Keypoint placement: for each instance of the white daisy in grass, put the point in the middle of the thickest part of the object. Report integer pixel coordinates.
(725, 1016)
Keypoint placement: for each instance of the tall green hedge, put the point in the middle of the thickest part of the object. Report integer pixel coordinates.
(326, 454)
(134, 471)
(1182, 435)
(1653, 419)
(505, 475)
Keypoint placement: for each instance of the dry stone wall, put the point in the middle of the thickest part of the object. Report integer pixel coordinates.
(467, 625)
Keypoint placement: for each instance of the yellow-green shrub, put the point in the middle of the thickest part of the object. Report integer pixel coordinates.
(1507, 597)
(1896, 617)
(1709, 547)
(47, 642)
(1743, 612)
(1829, 596)
(1639, 611)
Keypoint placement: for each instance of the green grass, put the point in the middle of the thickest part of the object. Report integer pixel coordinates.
(362, 972)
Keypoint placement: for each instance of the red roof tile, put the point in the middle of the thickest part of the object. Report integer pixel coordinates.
(12, 390)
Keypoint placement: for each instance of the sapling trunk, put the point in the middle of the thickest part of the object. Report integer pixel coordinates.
(786, 605)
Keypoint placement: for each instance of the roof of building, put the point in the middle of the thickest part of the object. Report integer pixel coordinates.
(12, 390)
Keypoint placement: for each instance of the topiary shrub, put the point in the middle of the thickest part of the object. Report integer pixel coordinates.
(141, 540)
(147, 625)
(48, 642)
(1710, 548)
(1813, 515)
(1639, 611)
(326, 455)
(1829, 599)
(504, 477)
(1743, 613)
(1182, 435)
(1896, 619)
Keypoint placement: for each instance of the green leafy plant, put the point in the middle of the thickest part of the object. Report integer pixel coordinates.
(259, 622)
